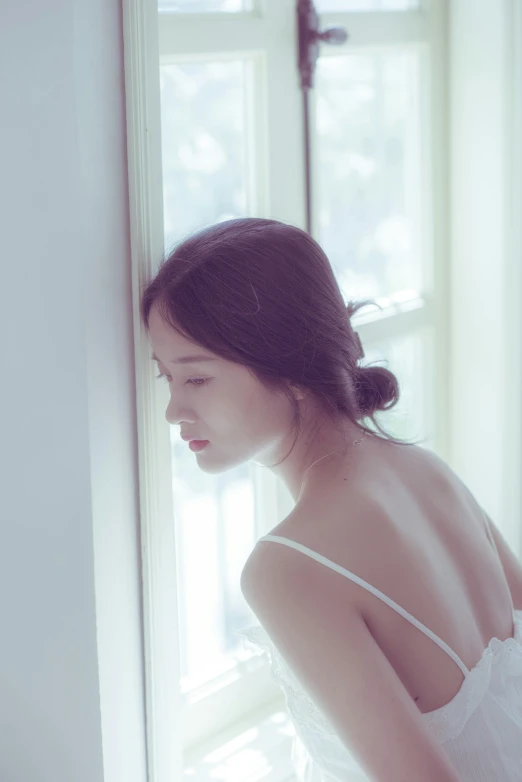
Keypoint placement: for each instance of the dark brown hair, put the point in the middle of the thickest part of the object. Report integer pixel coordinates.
(263, 294)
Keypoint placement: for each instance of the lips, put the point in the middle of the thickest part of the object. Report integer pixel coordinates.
(198, 445)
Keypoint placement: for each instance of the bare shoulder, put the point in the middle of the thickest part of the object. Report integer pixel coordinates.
(340, 533)
(269, 567)
(341, 519)
(280, 583)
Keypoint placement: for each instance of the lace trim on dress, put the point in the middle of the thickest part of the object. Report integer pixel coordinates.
(501, 659)
(300, 706)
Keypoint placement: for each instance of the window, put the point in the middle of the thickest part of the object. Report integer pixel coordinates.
(225, 138)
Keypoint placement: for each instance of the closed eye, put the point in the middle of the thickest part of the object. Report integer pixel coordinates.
(196, 381)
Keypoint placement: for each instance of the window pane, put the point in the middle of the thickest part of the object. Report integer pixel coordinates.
(203, 6)
(215, 533)
(324, 6)
(205, 180)
(369, 172)
(203, 144)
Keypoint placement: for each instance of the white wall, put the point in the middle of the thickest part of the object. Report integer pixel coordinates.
(485, 177)
(67, 403)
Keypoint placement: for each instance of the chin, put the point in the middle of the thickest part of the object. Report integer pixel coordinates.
(217, 468)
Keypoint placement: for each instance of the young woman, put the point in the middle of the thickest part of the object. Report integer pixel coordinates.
(389, 604)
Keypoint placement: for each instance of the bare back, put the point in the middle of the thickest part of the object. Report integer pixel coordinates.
(415, 533)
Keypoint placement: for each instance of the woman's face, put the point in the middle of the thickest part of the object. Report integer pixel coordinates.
(220, 401)
(223, 402)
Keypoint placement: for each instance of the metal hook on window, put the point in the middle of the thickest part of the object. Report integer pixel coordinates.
(309, 37)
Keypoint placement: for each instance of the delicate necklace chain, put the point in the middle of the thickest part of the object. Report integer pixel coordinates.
(354, 442)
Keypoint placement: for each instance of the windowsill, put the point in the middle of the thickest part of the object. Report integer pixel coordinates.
(258, 748)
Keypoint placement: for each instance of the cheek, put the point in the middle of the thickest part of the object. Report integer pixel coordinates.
(266, 416)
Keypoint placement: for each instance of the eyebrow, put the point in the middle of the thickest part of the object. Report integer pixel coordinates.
(186, 359)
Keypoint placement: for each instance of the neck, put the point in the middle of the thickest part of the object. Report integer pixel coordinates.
(354, 443)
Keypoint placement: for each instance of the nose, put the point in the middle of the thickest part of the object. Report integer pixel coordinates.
(175, 416)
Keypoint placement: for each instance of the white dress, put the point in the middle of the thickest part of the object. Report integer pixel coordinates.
(480, 728)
